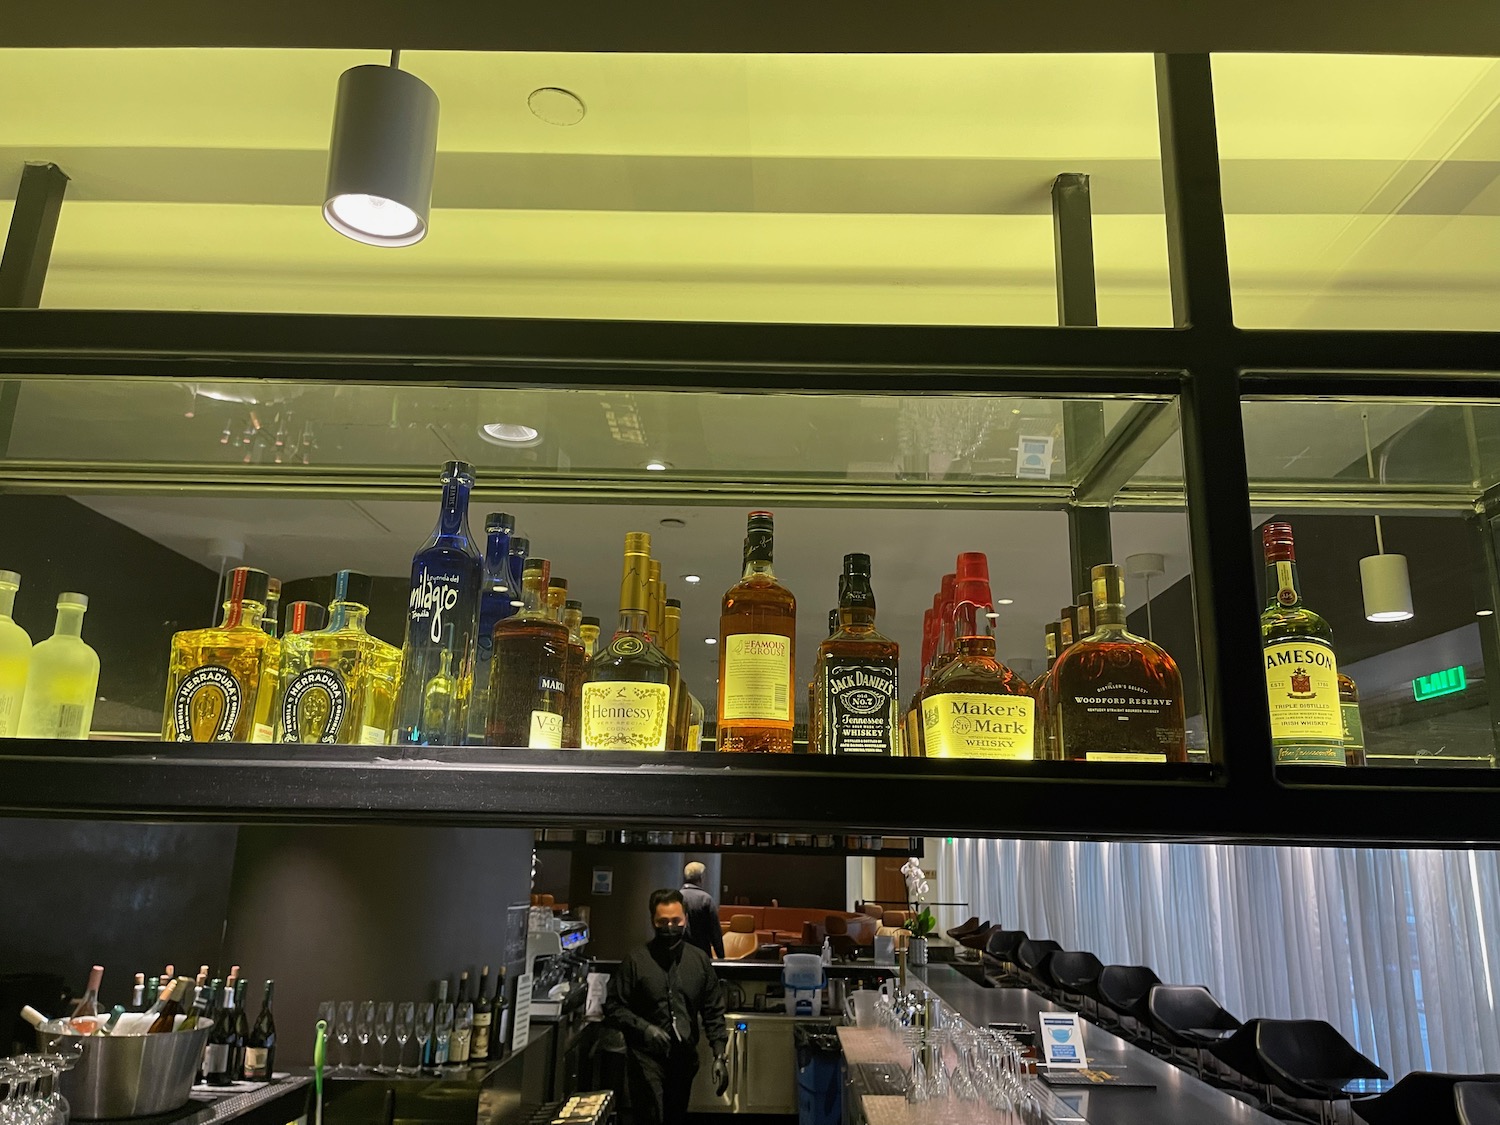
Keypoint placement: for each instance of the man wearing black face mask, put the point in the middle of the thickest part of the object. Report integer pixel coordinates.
(662, 994)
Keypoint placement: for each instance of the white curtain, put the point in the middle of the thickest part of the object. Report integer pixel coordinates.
(1397, 949)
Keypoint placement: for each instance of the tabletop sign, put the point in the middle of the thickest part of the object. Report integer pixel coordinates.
(521, 1023)
(1062, 1040)
(604, 880)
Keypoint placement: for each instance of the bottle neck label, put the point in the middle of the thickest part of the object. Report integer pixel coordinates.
(625, 715)
(433, 597)
(1284, 576)
(206, 706)
(313, 706)
(860, 703)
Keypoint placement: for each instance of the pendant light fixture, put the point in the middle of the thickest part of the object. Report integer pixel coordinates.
(381, 158)
(1383, 578)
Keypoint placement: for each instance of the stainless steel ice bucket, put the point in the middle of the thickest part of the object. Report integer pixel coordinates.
(131, 1075)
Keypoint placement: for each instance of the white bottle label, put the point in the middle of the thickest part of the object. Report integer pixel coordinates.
(979, 726)
(625, 715)
(757, 677)
(546, 731)
(372, 736)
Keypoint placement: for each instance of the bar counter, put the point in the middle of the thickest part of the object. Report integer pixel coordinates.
(1178, 1099)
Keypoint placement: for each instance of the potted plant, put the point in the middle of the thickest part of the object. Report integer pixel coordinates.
(921, 923)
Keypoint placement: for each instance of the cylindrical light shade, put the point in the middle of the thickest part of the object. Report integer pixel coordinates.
(382, 156)
(1387, 587)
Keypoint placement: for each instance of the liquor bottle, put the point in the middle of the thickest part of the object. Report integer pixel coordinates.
(588, 633)
(857, 673)
(500, 1021)
(1302, 675)
(463, 1034)
(166, 1009)
(241, 1032)
(1118, 696)
(573, 675)
(757, 652)
(479, 1048)
(943, 651)
(442, 616)
(1085, 620)
(657, 592)
(271, 620)
(260, 1047)
(976, 707)
(221, 684)
(1041, 690)
(576, 669)
(88, 1003)
(327, 692)
(680, 728)
(304, 617)
(138, 993)
(528, 686)
(627, 699)
(520, 551)
(814, 713)
(64, 678)
(1354, 727)
(495, 598)
(15, 656)
(218, 1053)
(911, 730)
(211, 1015)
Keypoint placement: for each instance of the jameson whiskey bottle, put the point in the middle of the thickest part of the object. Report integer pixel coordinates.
(442, 616)
(221, 682)
(857, 672)
(528, 687)
(1118, 696)
(495, 604)
(976, 707)
(627, 701)
(1302, 675)
(15, 656)
(757, 652)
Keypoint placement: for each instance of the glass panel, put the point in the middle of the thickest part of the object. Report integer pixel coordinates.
(811, 188)
(1415, 491)
(142, 492)
(1360, 191)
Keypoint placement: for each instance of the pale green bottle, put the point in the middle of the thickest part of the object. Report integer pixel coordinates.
(64, 678)
(15, 656)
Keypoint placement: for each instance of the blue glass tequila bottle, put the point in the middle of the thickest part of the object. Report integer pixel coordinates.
(494, 605)
(441, 621)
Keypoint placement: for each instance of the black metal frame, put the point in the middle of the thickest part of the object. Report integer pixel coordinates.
(1205, 360)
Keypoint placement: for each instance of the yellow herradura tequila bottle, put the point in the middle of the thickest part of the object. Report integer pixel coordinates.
(338, 683)
(221, 684)
(15, 656)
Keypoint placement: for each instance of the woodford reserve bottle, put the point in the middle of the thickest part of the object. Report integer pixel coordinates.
(1041, 690)
(757, 652)
(1302, 675)
(528, 683)
(627, 699)
(976, 707)
(1118, 696)
(858, 697)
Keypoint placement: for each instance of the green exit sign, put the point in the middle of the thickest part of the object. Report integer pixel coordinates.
(1450, 681)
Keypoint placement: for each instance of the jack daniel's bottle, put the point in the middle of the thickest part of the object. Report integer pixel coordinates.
(442, 615)
(858, 700)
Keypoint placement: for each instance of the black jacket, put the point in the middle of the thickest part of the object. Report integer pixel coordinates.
(703, 921)
(638, 994)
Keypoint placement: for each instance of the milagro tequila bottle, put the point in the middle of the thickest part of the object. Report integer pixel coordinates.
(441, 622)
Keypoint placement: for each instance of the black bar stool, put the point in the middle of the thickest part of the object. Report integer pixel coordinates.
(1124, 988)
(1310, 1059)
(1188, 1017)
(1478, 1103)
(1076, 974)
(1001, 947)
(1421, 1096)
(1032, 956)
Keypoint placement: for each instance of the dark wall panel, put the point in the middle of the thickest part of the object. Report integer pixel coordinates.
(791, 880)
(369, 913)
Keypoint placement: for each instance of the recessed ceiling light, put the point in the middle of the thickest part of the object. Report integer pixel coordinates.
(992, 615)
(518, 605)
(658, 466)
(692, 579)
(1005, 601)
(710, 640)
(1484, 613)
(556, 106)
(510, 433)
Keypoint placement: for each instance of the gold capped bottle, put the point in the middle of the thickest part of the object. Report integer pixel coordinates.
(671, 638)
(15, 656)
(588, 634)
(557, 605)
(528, 684)
(1354, 727)
(578, 667)
(1041, 690)
(757, 652)
(271, 620)
(64, 678)
(221, 682)
(976, 707)
(657, 626)
(627, 701)
(1302, 672)
(1117, 697)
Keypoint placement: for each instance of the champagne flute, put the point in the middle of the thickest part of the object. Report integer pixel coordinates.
(343, 1030)
(424, 1033)
(364, 1023)
(443, 1031)
(406, 1019)
(385, 1016)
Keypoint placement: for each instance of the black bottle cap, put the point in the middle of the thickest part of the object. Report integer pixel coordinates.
(458, 470)
(594, 621)
(571, 604)
(305, 617)
(500, 521)
(555, 583)
(675, 601)
(246, 584)
(520, 545)
(352, 586)
(857, 564)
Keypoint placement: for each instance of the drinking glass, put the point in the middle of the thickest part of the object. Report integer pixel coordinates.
(385, 1016)
(424, 1033)
(442, 1031)
(406, 1019)
(343, 1031)
(364, 1023)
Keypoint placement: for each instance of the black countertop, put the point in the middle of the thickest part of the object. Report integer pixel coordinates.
(1178, 1099)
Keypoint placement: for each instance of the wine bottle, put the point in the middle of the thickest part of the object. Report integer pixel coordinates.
(166, 1009)
(479, 1048)
(260, 1048)
(241, 1032)
(463, 987)
(153, 990)
(211, 1014)
(199, 1008)
(138, 993)
(500, 1017)
(88, 1003)
(218, 1055)
(114, 1017)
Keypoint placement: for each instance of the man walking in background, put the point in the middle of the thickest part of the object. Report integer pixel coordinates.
(660, 997)
(703, 928)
